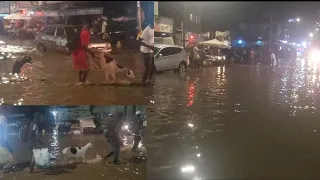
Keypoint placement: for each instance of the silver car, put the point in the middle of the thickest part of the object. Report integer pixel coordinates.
(54, 37)
(170, 57)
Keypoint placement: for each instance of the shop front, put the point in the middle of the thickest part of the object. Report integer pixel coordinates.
(163, 30)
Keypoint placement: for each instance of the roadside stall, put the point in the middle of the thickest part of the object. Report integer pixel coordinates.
(20, 26)
(217, 57)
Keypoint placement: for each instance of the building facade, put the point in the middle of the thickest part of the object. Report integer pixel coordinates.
(186, 16)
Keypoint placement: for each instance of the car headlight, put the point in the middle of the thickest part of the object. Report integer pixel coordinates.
(315, 55)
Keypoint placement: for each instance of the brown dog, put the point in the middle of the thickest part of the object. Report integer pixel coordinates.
(109, 66)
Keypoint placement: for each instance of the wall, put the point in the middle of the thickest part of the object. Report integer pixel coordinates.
(156, 12)
(193, 17)
(176, 11)
(4, 6)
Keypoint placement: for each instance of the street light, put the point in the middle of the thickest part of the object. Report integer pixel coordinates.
(311, 34)
(317, 29)
(294, 20)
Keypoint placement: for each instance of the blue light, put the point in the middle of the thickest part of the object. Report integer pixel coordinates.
(240, 41)
(3, 15)
(259, 43)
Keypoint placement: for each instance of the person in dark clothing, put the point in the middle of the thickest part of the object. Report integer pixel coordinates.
(202, 55)
(113, 136)
(34, 142)
(138, 125)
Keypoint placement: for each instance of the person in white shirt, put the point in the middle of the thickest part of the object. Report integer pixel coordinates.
(147, 47)
(34, 141)
(273, 60)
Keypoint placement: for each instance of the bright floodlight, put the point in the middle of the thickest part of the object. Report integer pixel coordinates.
(311, 34)
(188, 169)
(298, 19)
(317, 29)
(54, 113)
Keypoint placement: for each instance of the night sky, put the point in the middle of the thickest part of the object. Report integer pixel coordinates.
(227, 15)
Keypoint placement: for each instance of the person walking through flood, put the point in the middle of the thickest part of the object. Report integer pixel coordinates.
(251, 56)
(147, 49)
(138, 125)
(274, 62)
(34, 141)
(79, 55)
(112, 133)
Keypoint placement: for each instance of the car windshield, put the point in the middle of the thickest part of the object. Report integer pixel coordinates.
(71, 30)
(156, 50)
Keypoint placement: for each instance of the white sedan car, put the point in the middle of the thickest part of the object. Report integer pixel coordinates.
(170, 57)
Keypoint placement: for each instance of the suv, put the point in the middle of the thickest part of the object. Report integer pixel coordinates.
(54, 37)
(170, 57)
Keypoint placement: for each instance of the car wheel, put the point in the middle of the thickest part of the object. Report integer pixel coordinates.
(182, 68)
(41, 48)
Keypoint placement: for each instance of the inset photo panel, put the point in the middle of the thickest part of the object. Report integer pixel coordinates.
(76, 52)
(73, 142)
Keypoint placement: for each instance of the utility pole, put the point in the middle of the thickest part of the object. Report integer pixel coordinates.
(183, 24)
(139, 16)
(270, 38)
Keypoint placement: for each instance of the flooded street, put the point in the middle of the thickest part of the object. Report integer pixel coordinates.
(241, 122)
(93, 170)
(56, 83)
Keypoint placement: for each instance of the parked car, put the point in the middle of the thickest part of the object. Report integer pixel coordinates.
(54, 37)
(170, 57)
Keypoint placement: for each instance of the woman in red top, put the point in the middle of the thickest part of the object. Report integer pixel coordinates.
(79, 55)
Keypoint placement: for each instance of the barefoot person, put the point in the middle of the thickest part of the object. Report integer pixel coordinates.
(147, 41)
(34, 140)
(79, 55)
(113, 137)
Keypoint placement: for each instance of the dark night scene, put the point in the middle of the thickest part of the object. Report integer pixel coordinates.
(237, 91)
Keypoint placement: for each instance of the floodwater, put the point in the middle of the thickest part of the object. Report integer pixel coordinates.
(56, 83)
(241, 122)
(56, 142)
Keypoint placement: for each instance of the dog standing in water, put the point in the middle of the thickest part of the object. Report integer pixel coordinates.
(110, 67)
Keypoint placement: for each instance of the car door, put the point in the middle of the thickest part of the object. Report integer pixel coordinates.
(175, 58)
(161, 60)
(49, 37)
(61, 39)
(168, 58)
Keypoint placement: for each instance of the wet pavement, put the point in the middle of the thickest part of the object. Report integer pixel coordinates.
(56, 83)
(92, 170)
(241, 122)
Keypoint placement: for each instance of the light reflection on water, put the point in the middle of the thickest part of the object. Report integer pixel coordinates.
(55, 83)
(236, 122)
(56, 142)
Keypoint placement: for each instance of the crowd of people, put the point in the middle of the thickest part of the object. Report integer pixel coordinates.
(256, 55)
